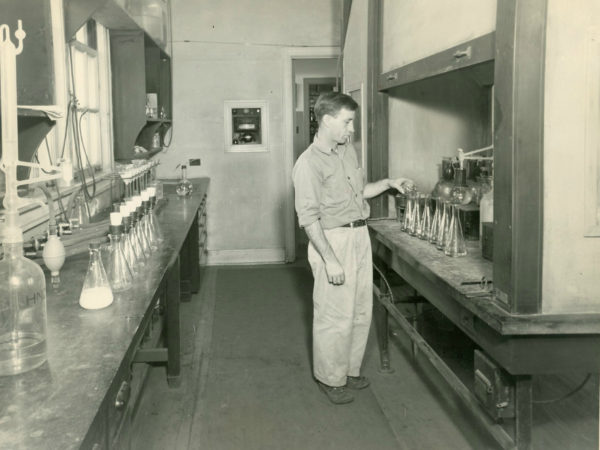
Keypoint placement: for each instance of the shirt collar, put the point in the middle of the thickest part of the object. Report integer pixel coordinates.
(323, 147)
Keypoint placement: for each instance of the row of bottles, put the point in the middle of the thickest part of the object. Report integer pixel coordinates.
(134, 235)
(436, 221)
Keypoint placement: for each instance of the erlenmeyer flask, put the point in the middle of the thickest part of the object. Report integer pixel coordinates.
(153, 219)
(425, 225)
(415, 220)
(128, 249)
(184, 187)
(443, 226)
(96, 292)
(435, 222)
(118, 271)
(139, 226)
(455, 244)
(148, 230)
(407, 212)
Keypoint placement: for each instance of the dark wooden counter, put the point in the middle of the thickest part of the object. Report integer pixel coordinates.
(55, 405)
(522, 344)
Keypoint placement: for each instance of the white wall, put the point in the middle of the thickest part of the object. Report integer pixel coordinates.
(571, 262)
(232, 50)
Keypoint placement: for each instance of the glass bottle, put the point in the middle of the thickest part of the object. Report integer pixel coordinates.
(443, 226)
(407, 212)
(486, 205)
(415, 220)
(425, 228)
(184, 187)
(462, 194)
(140, 227)
(134, 243)
(128, 250)
(435, 222)
(455, 243)
(148, 229)
(22, 312)
(118, 271)
(96, 292)
(152, 216)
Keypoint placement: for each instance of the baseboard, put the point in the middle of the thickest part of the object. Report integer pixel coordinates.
(248, 256)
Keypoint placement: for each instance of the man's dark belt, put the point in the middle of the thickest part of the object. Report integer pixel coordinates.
(356, 224)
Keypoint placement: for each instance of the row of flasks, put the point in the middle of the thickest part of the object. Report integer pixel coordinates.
(434, 220)
(134, 236)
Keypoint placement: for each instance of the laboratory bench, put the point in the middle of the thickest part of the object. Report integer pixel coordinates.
(85, 394)
(511, 347)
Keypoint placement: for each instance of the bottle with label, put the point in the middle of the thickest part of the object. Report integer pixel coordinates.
(22, 312)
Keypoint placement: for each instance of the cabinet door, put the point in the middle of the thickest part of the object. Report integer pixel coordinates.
(413, 30)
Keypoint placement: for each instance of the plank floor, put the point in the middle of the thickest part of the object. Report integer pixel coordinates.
(247, 382)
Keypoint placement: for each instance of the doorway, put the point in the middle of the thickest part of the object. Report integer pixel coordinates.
(316, 70)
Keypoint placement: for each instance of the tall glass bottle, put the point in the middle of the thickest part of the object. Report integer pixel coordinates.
(22, 312)
(118, 271)
(455, 243)
(184, 187)
(96, 292)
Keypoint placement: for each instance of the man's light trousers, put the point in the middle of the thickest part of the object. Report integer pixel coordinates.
(342, 313)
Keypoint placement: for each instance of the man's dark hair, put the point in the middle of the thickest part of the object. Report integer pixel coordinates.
(331, 103)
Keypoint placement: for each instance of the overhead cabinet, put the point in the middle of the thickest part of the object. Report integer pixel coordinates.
(425, 39)
(141, 82)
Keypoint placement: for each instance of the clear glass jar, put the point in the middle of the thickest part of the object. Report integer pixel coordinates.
(184, 187)
(22, 312)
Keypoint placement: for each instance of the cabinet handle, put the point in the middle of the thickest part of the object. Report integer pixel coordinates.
(462, 53)
(122, 396)
(392, 76)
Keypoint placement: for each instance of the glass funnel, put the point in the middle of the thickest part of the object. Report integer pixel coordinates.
(96, 292)
(22, 312)
(455, 242)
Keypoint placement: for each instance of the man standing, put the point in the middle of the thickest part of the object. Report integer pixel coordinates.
(330, 201)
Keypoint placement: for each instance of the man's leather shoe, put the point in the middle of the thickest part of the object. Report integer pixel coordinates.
(357, 382)
(336, 395)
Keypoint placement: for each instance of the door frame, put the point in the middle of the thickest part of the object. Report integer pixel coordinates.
(289, 54)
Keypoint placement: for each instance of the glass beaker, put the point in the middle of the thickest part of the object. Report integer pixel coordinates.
(442, 231)
(184, 187)
(96, 292)
(22, 312)
(425, 228)
(415, 220)
(435, 222)
(455, 243)
(118, 271)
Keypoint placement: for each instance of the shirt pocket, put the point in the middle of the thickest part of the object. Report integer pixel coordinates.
(336, 190)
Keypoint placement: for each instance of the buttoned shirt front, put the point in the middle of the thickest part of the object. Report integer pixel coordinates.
(329, 185)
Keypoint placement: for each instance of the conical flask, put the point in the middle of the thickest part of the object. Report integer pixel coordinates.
(415, 220)
(128, 249)
(435, 222)
(407, 212)
(443, 226)
(425, 225)
(118, 271)
(96, 292)
(153, 219)
(455, 243)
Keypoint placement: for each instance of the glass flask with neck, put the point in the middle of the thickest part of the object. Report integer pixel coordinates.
(425, 229)
(407, 212)
(184, 186)
(415, 220)
(444, 222)
(132, 238)
(140, 227)
(455, 242)
(118, 271)
(147, 222)
(22, 311)
(152, 216)
(435, 222)
(96, 292)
